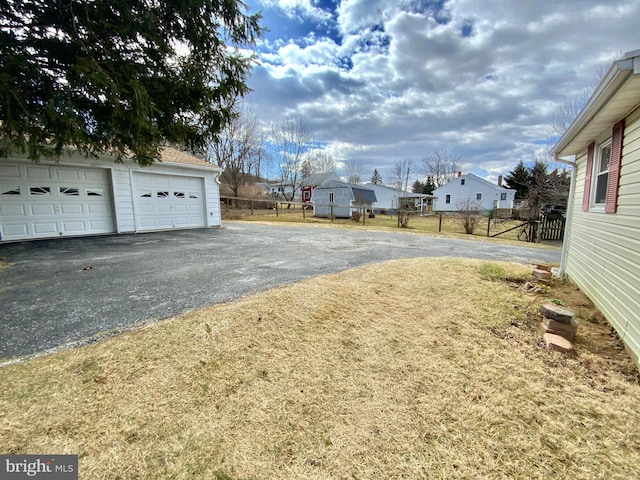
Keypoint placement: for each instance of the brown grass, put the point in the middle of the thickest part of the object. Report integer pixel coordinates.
(421, 368)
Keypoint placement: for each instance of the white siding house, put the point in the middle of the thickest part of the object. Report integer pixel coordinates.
(340, 198)
(387, 198)
(473, 188)
(601, 252)
(78, 196)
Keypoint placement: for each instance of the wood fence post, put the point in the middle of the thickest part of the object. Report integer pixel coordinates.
(331, 212)
(251, 203)
(303, 209)
(489, 223)
(276, 208)
(440, 224)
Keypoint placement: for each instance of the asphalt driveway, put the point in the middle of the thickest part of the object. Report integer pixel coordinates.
(68, 291)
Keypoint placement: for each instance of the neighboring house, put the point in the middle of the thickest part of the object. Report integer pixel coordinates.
(309, 184)
(345, 198)
(279, 189)
(473, 188)
(387, 199)
(601, 251)
(78, 196)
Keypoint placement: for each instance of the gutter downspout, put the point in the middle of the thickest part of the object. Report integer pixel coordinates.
(567, 222)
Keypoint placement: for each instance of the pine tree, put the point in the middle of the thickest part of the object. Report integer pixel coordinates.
(376, 178)
(518, 180)
(429, 186)
(417, 187)
(107, 76)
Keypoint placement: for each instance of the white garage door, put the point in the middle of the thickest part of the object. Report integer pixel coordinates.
(168, 201)
(40, 201)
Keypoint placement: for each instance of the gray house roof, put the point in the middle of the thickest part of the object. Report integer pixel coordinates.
(363, 195)
(318, 178)
(359, 193)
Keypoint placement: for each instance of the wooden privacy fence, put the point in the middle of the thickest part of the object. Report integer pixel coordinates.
(552, 228)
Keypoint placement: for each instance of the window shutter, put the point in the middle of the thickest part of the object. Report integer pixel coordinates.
(611, 201)
(587, 179)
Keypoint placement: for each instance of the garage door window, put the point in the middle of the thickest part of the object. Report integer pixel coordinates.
(96, 192)
(178, 194)
(163, 194)
(194, 195)
(70, 191)
(12, 191)
(40, 190)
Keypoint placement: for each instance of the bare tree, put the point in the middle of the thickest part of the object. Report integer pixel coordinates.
(469, 215)
(238, 149)
(322, 162)
(567, 112)
(289, 140)
(400, 173)
(354, 168)
(441, 166)
(544, 188)
(571, 106)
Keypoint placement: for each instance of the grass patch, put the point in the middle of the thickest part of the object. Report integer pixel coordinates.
(428, 224)
(418, 368)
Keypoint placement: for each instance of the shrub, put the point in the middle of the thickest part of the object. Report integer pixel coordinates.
(469, 215)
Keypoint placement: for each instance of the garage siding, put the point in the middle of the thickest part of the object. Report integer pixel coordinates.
(125, 219)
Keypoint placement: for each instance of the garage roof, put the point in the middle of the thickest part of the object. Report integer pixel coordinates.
(171, 155)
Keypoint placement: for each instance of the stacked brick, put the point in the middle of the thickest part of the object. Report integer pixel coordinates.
(559, 327)
(542, 273)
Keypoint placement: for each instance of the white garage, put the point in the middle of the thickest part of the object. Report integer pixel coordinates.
(44, 200)
(82, 196)
(168, 201)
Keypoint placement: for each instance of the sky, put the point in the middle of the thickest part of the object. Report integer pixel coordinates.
(380, 81)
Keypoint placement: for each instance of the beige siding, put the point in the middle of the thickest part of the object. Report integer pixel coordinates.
(603, 250)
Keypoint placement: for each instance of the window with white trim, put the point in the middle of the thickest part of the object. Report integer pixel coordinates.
(478, 196)
(447, 199)
(503, 196)
(331, 198)
(601, 173)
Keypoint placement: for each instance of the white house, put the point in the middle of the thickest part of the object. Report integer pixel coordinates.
(601, 252)
(387, 198)
(280, 189)
(470, 187)
(340, 198)
(79, 196)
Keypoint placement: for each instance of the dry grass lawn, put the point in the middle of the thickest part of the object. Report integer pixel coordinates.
(423, 368)
(428, 224)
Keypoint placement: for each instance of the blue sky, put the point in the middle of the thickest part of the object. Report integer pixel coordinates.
(379, 81)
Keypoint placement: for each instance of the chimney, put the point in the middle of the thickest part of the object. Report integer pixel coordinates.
(459, 173)
(499, 180)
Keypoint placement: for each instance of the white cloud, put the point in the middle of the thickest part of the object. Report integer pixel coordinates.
(478, 77)
(299, 9)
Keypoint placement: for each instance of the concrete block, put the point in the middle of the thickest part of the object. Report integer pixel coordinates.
(541, 266)
(566, 330)
(557, 343)
(542, 274)
(557, 313)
